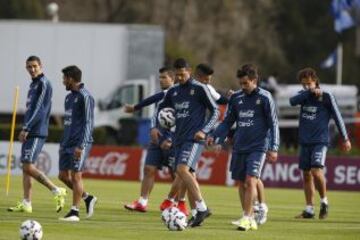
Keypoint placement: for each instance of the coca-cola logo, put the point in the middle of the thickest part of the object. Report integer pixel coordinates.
(113, 163)
(204, 169)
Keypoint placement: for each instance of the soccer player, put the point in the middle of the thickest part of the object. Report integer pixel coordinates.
(256, 138)
(191, 100)
(77, 140)
(33, 136)
(158, 153)
(317, 108)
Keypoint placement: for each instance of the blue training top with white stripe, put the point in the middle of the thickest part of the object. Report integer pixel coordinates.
(315, 115)
(257, 127)
(79, 119)
(190, 101)
(38, 107)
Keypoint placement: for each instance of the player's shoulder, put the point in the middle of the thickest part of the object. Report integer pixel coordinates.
(85, 94)
(265, 94)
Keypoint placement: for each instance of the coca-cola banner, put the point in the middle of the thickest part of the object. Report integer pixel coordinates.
(114, 163)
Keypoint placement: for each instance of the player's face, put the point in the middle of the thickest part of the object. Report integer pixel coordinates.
(308, 83)
(68, 83)
(34, 68)
(165, 80)
(247, 84)
(182, 75)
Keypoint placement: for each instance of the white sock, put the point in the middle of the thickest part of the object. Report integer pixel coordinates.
(74, 208)
(143, 201)
(193, 212)
(182, 200)
(26, 202)
(263, 206)
(309, 209)
(324, 200)
(201, 205)
(171, 199)
(85, 195)
(55, 191)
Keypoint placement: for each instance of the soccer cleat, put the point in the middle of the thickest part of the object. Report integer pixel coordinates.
(21, 207)
(166, 204)
(90, 202)
(324, 211)
(191, 220)
(253, 224)
(305, 214)
(200, 217)
(60, 199)
(261, 216)
(136, 206)
(243, 224)
(72, 216)
(182, 207)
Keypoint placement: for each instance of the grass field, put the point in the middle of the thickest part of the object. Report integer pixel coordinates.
(112, 221)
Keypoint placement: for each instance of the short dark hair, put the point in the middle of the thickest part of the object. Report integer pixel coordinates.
(167, 70)
(204, 69)
(181, 63)
(33, 58)
(306, 73)
(73, 72)
(249, 70)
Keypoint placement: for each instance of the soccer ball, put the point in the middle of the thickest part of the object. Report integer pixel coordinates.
(31, 230)
(166, 118)
(174, 219)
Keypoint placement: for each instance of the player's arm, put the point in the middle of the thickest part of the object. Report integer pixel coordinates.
(273, 124)
(219, 99)
(209, 102)
(155, 98)
(34, 113)
(85, 135)
(300, 97)
(335, 112)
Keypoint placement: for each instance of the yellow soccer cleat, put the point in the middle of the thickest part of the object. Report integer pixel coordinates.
(253, 224)
(21, 207)
(60, 199)
(243, 224)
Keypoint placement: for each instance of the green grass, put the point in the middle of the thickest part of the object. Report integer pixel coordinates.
(112, 221)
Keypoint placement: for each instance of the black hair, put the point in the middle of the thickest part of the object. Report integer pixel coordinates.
(33, 58)
(249, 70)
(204, 69)
(167, 70)
(73, 72)
(181, 63)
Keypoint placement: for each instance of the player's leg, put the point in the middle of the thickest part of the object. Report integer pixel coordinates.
(261, 216)
(174, 190)
(317, 165)
(152, 162)
(308, 183)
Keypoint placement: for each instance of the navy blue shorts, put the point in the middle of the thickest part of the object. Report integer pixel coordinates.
(243, 164)
(312, 156)
(158, 157)
(31, 149)
(68, 162)
(188, 153)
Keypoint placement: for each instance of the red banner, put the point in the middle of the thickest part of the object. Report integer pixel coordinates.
(126, 163)
(113, 163)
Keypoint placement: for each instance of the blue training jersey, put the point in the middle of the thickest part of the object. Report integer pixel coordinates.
(38, 107)
(190, 101)
(79, 119)
(157, 97)
(257, 127)
(315, 115)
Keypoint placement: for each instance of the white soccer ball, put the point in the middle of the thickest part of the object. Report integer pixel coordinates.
(31, 230)
(174, 219)
(166, 118)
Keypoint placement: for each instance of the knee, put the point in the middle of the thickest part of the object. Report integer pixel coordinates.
(149, 171)
(307, 176)
(250, 182)
(316, 172)
(64, 178)
(26, 168)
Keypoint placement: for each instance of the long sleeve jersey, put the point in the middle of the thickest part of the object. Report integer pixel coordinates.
(79, 119)
(38, 107)
(257, 127)
(190, 101)
(157, 97)
(315, 114)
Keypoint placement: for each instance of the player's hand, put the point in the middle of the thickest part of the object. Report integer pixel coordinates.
(166, 145)
(229, 93)
(23, 136)
(77, 153)
(155, 135)
(129, 108)
(229, 140)
(200, 136)
(347, 146)
(217, 148)
(271, 156)
(210, 141)
(317, 92)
